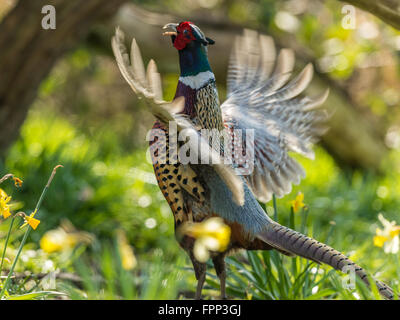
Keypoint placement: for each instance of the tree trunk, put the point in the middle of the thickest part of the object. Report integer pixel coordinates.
(28, 52)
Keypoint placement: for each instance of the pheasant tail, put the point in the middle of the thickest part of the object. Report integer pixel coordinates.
(292, 242)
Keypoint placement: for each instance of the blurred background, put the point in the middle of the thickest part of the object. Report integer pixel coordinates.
(63, 101)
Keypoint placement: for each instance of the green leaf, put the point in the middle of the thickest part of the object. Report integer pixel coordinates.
(35, 295)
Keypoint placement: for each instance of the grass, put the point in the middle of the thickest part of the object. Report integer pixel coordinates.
(103, 277)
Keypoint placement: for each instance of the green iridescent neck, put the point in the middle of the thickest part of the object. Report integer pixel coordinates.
(193, 59)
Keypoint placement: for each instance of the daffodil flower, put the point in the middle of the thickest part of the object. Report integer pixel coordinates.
(4, 206)
(57, 240)
(64, 238)
(211, 235)
(31, 220)
(297, 203)
(388, 238)
(128, 258)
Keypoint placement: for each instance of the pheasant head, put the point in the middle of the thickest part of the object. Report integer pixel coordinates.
(191, 44)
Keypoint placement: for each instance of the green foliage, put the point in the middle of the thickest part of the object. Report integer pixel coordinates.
(103, 277)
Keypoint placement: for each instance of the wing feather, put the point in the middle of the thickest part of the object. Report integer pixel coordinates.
(137, 64)
(262, 97)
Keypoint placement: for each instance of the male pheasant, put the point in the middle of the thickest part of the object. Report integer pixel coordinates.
(259, 98)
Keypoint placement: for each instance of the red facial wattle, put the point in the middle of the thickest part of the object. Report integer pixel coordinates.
(184, 35)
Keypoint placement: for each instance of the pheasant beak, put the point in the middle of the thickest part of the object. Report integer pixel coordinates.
(172, 26)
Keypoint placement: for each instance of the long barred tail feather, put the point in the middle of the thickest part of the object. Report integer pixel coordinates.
(287, 240)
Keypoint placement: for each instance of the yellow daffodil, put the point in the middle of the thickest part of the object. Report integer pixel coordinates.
(297, 203)
(211, 235)
(388, 238)
(31, 220)
(64, 238)
(128, 258)
(57, 240)
(4, 206)
(379, 241)
(17, 182)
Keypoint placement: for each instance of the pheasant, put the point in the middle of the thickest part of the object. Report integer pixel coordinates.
(260, 99)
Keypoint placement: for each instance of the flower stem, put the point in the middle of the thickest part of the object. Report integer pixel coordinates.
(304, 219)
(6, 243)
(28, 230)
(15, 262)
(275, 207)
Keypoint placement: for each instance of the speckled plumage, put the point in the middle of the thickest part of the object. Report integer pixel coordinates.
(179, 182)
(207, 106)
(174, 179)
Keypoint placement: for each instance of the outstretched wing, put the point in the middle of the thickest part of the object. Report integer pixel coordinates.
(147, 84)
(261, 98)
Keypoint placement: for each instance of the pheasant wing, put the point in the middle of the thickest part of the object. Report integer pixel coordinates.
(261, 98)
